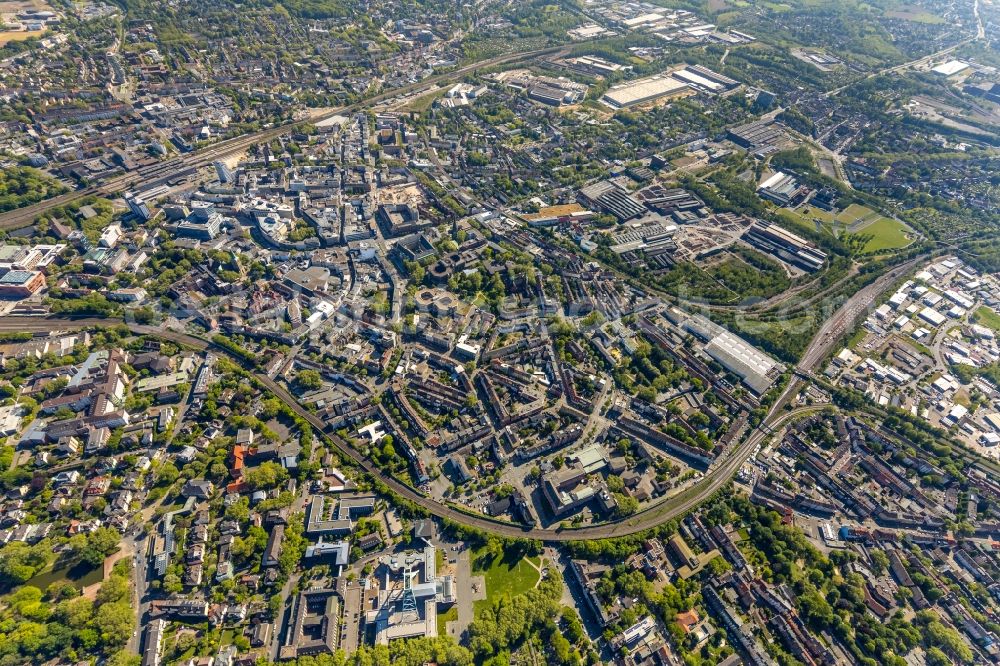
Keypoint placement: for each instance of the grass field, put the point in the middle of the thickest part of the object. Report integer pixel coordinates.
(444, 618)
(504, 577)
(18, 35)
(887, 234)
(853, 214)
(856, 337)
(988, 317)
(809, 215)
(424, 102)
(915, 14)
(961, 397)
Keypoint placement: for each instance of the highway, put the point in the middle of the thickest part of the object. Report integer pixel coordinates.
(22, 217)
(717, 476)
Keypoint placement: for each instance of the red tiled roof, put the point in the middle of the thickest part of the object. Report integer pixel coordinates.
(688, 619)
(237, 467)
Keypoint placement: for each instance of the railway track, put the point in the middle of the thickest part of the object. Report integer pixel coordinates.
(717, 476)
(22, 217)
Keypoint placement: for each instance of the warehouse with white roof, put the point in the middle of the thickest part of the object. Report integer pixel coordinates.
(932, 317)
(950, 68)
(698, 81)
(644, 90)
(754, 368)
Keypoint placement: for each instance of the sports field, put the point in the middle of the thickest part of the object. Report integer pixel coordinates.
(856, 215)
(18, 35)
(886, 233)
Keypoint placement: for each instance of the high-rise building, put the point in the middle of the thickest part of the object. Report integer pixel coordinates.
(138, 206)
(225, 174)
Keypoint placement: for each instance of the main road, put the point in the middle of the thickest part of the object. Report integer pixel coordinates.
(22, 217)
(202, 157)
(923, 60)
(715, 478)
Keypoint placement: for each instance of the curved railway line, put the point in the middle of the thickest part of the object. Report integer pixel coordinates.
(715, 478)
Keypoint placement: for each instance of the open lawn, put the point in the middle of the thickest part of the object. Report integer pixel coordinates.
(914, 14)
(961, 397)
(424, 102)
(797, 219)
(886, 233)
(855, 214)
(810, 215)
(504, 576)
(987, 317)
(857, 337)
(18, 35)
(444, 618)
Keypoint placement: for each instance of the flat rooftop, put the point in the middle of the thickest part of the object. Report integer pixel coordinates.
(644, 90)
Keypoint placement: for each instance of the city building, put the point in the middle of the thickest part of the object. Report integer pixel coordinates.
(783, 189)
(336, 517)
(138, 206)
(152, 641)
(756, 370)
(315, 624)
(950, 68)
(409, 594)
(21, 284)
(203, 223)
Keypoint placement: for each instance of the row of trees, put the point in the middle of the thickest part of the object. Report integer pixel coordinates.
(413, 652)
